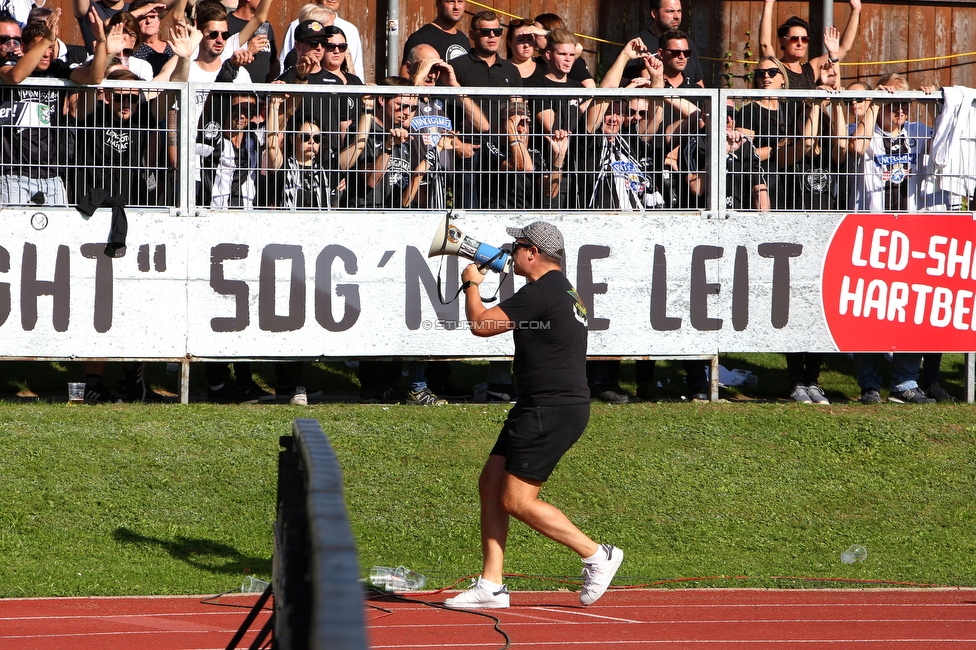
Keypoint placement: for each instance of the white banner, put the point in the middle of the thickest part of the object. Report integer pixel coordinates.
(351, 284)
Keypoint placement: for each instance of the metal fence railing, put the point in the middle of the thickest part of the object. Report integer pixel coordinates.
(403, 148)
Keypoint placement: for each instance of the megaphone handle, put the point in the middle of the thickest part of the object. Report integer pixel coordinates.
(484, 267)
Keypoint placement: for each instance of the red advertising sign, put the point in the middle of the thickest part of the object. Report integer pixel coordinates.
(902, 282)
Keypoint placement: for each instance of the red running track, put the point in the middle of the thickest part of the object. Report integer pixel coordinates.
(814, 619)
(160, 623)
(870, 619)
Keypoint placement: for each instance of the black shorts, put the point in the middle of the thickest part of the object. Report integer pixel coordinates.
(534, 438)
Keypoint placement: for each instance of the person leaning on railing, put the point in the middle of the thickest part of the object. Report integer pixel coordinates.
(892, 152)
(33, 134)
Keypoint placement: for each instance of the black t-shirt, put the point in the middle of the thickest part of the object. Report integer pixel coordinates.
(114, 154)
(388, 190)
(472, 70)
(742, 167)
(805, 79)
(449, 46)
(550, 342)
(562, 101)
(264, 68)
(770, 127)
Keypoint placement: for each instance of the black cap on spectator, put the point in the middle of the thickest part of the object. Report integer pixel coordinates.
(309, 29)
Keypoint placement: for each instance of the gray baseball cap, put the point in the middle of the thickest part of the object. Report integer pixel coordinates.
(543, 235)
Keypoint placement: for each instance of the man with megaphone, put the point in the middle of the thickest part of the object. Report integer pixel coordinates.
(548, 321)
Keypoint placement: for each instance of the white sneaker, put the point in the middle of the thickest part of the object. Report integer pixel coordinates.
(817, 395)
(597, 576)
(478, 597)
(299, 397)
(801, 395)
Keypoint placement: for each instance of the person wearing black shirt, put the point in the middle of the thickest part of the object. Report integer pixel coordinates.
(775, 126)
(544, 25)
(117, 147)
(483, 67)
(318, 48)
(32, 139)
(442, 34)
(548, 320)
(380, 150)
(265, 67)
(665, 16)
(794, 40)
(559, 122)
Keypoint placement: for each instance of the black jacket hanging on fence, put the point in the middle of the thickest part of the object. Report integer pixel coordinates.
(97, 197)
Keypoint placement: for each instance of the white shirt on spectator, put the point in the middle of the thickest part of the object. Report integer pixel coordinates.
(139, 67)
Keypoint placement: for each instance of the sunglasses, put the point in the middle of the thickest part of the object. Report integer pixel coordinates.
(679, 53)
(213, 34)
(485, 32)
(336, 47)
(634, 112)
(517, 245)
(245, 109)
(762, 73)
(125, 97)
(10, 39)
(313, 137)
(796, 38)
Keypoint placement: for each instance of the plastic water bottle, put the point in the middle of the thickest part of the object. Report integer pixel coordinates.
(398, 579)
(856, 553)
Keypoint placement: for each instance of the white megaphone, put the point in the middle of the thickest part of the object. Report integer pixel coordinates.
(449, 240)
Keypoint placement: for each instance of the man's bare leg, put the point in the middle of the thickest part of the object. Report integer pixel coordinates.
(494, 518)
(520, 498)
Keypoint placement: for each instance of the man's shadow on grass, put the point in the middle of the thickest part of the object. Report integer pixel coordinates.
(204, 554)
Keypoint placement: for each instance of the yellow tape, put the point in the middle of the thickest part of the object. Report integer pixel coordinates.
(930, 58)
(711, 58)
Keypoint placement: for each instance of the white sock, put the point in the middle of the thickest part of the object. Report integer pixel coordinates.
(599, 556)
(490, 586)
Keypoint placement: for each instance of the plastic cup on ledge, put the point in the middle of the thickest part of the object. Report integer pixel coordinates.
(76, 392)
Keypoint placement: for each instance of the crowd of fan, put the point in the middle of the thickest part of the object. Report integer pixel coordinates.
(396, 149)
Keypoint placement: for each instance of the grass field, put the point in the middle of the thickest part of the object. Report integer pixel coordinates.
(171, 499)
